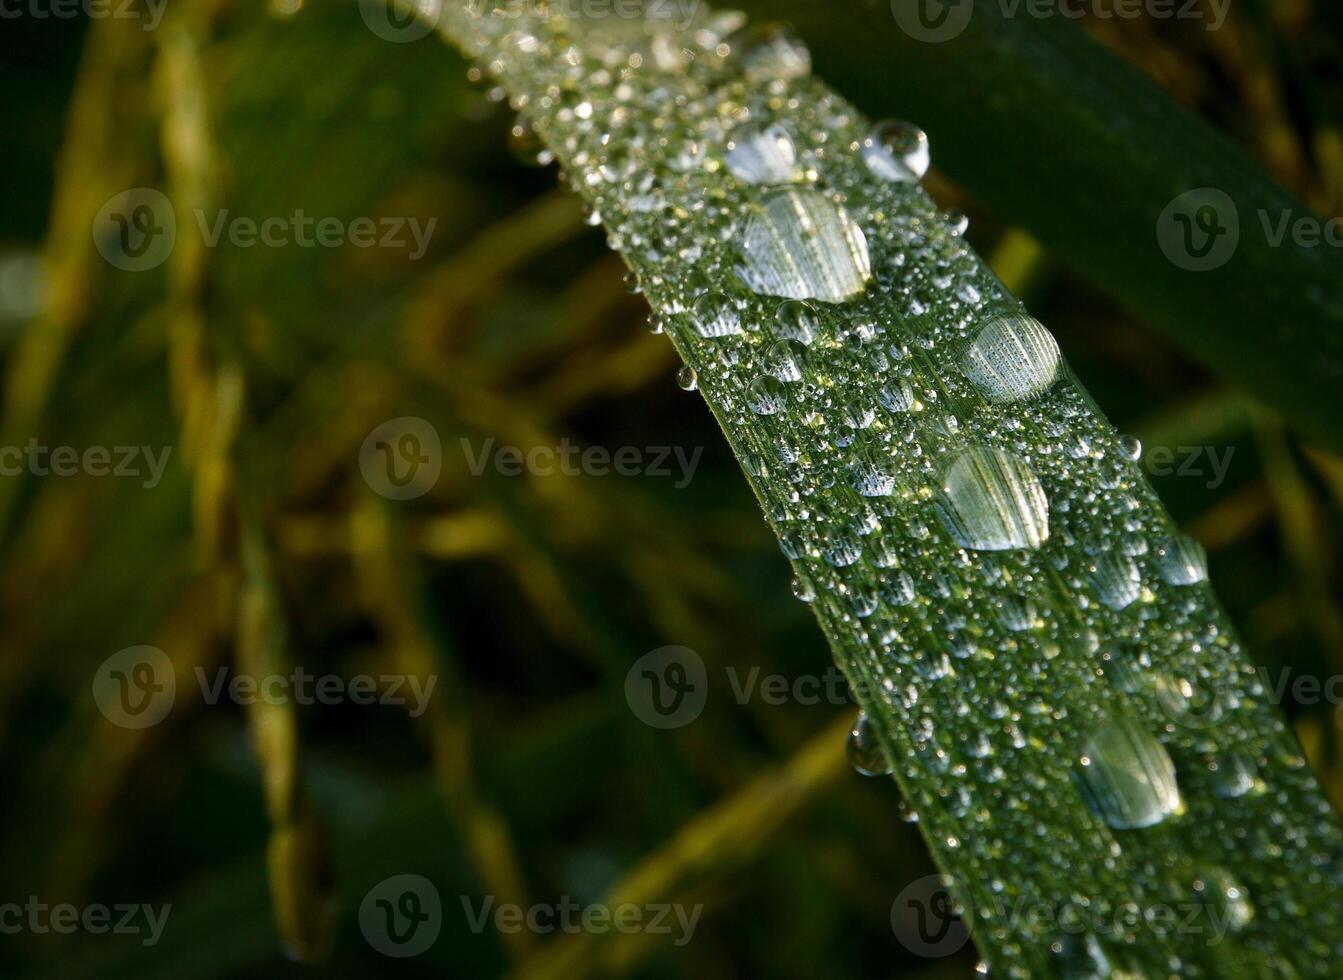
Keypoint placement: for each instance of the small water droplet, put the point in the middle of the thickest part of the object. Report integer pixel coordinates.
(1013, 357)
(687, 378)
(864, 749)
(802, 590)
(802, 245)
(1131, 447)
(990, 500)
(1227, 900)
(898, 151)
(1127, 776)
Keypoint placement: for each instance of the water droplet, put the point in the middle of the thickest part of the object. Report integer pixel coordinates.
(1127, 776)
(990, 500)
(687, 378)
(762, 155)
(802, 245)
(1233, 774)
(788, 361)
(715, 315)
(1227, 900)
(898, 589)
(1117, 580)
(897, 150)
(770, 51)
(802, 590)
(1131, 447)
(896, 395)
(872, 474)
(766, 396)
(1181, 560)
(797, 321)
(1012, 358)
(864, 749)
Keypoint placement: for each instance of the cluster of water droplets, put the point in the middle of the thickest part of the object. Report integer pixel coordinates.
(978, 542)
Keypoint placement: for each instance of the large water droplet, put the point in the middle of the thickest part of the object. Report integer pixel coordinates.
(802, 245)
(762, 155)
(1182, 561)
(797, 321)
(1117, 580)
(715, 315)
(897, 150)
(1013, 357)
(864, 750)
(990, 500)
(770, 51)
(1127, 776)
(766, 396)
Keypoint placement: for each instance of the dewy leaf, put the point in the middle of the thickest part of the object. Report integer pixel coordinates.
(1134, 191)
(1090, 754)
